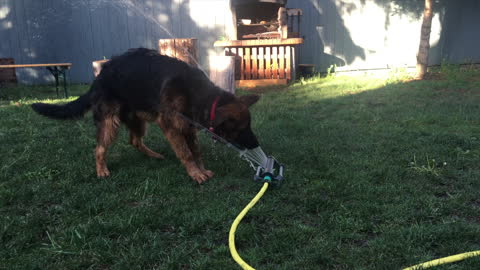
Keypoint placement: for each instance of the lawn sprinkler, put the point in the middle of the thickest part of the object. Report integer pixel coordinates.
(266, 174)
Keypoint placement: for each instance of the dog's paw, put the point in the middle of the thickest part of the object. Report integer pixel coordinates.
(103, 173)
(208, 173)
(199, 176)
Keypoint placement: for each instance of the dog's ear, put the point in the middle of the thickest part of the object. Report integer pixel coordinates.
(249, 100)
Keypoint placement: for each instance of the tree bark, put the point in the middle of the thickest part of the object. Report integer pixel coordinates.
(184, 49)
(422, 56)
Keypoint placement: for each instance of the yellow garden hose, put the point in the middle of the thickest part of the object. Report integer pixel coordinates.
(245, 266)
(449, 259)
(231, 235)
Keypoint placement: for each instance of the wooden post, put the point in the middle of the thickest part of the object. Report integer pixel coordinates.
(97, 66)
(222, 72)
(254, 63)
(7, 75)
(294, 64)
(185, 49)
(288, 62)
(281, 60)
(242, 64)
(246, 58)
(274, 62)
(268, 65)
(282, 22)
(261, 63)
(238, 61)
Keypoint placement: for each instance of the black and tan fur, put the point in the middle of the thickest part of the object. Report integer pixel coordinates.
(143, 86)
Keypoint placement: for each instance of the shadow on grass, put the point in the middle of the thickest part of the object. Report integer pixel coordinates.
(380, 174)
(388, 159)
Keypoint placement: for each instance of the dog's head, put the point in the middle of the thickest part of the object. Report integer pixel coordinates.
(232, 122)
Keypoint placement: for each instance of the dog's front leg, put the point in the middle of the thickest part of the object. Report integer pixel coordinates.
(192, 141)
(176, 138)
(179, 144)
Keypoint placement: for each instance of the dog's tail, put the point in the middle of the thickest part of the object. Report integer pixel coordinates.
(72, 110)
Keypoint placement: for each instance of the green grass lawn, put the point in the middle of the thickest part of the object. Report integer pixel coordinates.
(381, 173)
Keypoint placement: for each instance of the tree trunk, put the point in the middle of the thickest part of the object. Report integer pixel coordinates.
(422, 56)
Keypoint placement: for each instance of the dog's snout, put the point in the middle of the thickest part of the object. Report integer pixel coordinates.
(246, 139)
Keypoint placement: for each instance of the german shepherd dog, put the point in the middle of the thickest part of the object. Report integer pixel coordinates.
(143, 86)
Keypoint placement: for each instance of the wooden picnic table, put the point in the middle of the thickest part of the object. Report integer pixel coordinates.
(57, 70)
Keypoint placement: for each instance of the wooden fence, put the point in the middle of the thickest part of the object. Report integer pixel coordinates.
(262, 62)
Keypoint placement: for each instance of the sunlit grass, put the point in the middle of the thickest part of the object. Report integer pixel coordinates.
(381, 173)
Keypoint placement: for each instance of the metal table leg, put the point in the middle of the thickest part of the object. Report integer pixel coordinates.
(64, 75)
(54, 71)
(59, 72)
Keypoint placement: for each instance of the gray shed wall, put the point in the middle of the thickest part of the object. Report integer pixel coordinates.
(81, 31)
(350, 34)
(373, 34)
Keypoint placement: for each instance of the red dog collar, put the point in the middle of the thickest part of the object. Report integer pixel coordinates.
(212, 113)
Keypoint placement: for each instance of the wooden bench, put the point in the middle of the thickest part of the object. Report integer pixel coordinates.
(57, 70)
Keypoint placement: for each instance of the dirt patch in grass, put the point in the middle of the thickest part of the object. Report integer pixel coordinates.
(475, 78)
(435, 76)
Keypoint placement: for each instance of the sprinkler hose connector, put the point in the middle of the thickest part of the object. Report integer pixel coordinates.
(266, 174)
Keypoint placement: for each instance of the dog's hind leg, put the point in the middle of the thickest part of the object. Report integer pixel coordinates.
(107, 128)
(192, 141)
(138, 129)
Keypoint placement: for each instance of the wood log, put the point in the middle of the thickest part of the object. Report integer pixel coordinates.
(238, 61)
(282, 22)
(97, 66)
(7, 75)
(222, 72)
(185, 49)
